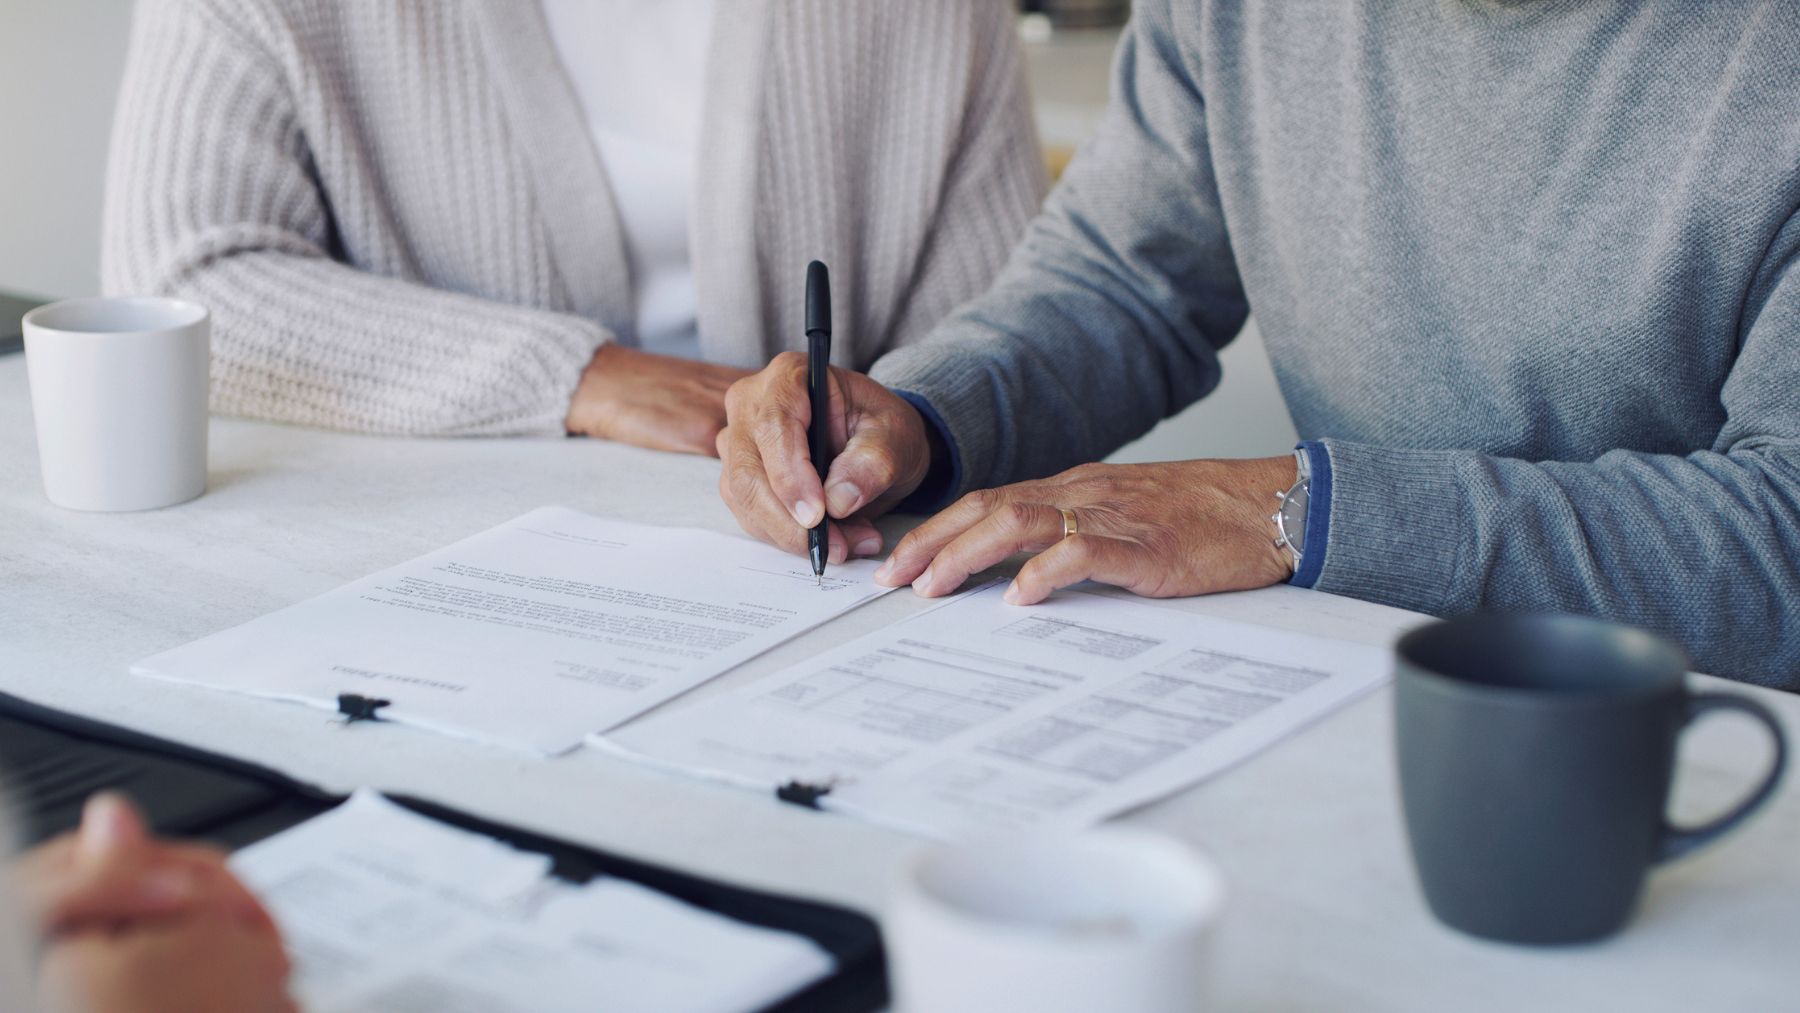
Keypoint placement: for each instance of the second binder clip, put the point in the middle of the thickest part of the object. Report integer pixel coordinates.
(354, 707)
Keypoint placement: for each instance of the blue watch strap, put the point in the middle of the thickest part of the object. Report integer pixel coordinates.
(1318, 514)
(945, 476)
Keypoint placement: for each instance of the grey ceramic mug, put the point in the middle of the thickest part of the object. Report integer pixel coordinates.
(1536, 754)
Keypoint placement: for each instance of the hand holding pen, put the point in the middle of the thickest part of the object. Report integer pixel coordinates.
(876, 450)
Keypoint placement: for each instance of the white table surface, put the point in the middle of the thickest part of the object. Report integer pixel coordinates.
(1324, 912)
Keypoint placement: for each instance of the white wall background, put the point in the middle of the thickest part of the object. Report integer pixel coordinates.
(60, 62)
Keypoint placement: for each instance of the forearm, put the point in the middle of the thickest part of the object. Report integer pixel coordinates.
(1040, 375)
(1108, 315)
(1704, 548)
(303, 339)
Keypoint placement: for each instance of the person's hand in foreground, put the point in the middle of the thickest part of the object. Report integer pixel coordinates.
(1164, 530)
(133, 924)
(207, 962)
(649, 400)
(882, 451)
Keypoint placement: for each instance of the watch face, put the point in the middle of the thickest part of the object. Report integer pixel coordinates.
(1293, 517)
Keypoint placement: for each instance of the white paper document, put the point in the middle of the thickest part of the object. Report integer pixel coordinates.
(532, 633)
(979, 716)
(386, 910)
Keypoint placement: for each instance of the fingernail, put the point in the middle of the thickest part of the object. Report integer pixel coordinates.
(924, 582)
(885, 572)
(843, 498)
(107, 824)
(167, 886)
(806, 513)
(1012, 593)
(868, 547)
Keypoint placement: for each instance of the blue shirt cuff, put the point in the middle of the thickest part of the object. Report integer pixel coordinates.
(1318, 514)
(945, 477)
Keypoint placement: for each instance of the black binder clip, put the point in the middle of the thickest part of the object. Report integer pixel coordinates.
(801, 793)
(355, 707)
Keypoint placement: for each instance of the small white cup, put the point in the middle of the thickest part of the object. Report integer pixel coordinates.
(1110, 919)
(118, 390)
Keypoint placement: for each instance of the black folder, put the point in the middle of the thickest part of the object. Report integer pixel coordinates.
(51, 761)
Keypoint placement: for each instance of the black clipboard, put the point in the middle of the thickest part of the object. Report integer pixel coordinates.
(52, 760)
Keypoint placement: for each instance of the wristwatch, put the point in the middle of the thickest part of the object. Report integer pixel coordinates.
(1290, 519)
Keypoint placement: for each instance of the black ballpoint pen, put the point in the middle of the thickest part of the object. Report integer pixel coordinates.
(818, 379)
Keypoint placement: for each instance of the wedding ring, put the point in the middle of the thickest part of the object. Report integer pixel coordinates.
(1070, 528)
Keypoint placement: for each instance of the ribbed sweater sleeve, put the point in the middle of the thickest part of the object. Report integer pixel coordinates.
(213, 195)
(1108, 316)
(1701, 546)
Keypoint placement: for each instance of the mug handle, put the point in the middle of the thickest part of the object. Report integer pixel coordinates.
(1677, 840)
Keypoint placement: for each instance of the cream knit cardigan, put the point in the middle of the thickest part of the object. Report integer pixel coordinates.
(395, 212)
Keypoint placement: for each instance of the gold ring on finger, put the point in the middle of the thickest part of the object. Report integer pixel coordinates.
(1070, 528)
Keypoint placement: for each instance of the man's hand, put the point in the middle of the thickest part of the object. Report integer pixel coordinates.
(1159, 530)
(882, 453)
(654, 401)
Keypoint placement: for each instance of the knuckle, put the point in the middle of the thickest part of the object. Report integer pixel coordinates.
(879, 463)
(1015, 516)
(738, 396)
(744, 482)
(771, 421)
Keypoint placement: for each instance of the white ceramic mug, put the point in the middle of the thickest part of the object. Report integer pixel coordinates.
(118, 391)
(1111, 919)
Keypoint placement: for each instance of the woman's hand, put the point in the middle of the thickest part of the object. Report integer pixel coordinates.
(1160, 530)
(654, 401)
